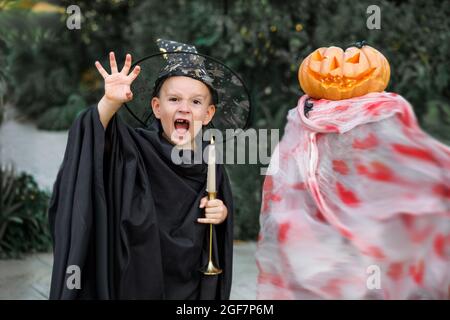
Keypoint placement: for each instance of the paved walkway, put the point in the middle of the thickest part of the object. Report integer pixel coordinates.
(37, 152)
(29, 279)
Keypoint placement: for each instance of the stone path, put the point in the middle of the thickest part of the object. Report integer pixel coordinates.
(29, 278)
(37, 152)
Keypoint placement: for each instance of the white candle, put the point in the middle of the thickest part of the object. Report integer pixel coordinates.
(211, 177)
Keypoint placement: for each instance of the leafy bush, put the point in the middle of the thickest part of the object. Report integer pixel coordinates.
(33, 44)
(23, 215)
(46, 62)
(61, 117)
(437, 119)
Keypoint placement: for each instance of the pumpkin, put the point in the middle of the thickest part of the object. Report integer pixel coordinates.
(334, 74)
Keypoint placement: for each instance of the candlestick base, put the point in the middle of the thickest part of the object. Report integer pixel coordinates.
(211, 269)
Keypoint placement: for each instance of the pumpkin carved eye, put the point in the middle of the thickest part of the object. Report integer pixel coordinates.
(354, 59)
(317, 56)
(334, 74)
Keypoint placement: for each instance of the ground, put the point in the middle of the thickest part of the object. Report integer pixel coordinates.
(29, 278)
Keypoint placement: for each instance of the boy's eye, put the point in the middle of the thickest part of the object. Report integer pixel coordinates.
(173, 99)
(197, 102)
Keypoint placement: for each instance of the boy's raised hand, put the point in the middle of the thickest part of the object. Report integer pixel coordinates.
(117, 87)
(215, 211)
(117, 84)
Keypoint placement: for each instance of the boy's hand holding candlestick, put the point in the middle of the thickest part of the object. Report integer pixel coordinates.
(215, 211)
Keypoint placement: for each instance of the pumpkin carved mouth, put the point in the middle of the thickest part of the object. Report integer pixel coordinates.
(341, 81)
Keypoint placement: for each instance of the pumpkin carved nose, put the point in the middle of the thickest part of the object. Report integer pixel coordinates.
(334, 64)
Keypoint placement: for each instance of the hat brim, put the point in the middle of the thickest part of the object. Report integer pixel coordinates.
(233, 108)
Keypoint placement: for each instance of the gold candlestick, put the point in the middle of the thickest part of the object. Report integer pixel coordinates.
(211, 269)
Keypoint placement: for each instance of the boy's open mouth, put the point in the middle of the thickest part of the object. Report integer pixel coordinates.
(181, 125)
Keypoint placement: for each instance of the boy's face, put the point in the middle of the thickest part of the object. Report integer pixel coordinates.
(183, 106)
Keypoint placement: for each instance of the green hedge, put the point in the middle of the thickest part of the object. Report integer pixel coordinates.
(23, 215)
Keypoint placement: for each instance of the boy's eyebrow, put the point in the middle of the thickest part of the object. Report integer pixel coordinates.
(199, 95)
(175, 93)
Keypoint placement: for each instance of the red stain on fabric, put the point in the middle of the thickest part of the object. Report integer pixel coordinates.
(283, 230)
(408, 220)
(275, 197)
(346, 233)
(420, 235)
(413, 152)
(407, 119)
(299, 186)
(271, 278)
(378, 172)
(340, 166)
(369, 142)
(439, 245)
(342, 108)
(268, 194)
(331, 128)
(347, 196)
(442, 190)
(417, 271)
(333, 287)
(395, 271)
(319, 216)
(373, 108)
(268, 184)
(375, 252)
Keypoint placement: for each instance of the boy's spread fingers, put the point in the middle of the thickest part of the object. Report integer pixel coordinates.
(112, 62)
(127, 65)
(133, 75)
(100, 69)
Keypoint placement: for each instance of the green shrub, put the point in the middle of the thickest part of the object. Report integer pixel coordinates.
(46, 62)
(40, 70)
(23, 215)
(437, 120)
(60, 118)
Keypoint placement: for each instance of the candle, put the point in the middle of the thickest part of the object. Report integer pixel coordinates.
(211, 177)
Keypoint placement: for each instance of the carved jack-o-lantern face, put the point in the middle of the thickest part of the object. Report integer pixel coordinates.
(334, 74)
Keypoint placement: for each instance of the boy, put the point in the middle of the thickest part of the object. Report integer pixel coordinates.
(123, 214)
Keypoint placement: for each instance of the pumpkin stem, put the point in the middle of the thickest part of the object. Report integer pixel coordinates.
(360, 44)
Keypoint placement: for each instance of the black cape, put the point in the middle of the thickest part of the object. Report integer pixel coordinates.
(126, 215)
